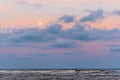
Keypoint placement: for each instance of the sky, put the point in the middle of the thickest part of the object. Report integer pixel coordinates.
(43, 34)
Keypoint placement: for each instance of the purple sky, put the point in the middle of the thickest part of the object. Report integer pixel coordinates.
(59, 34)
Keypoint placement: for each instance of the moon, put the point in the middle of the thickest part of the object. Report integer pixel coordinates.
(40, 23)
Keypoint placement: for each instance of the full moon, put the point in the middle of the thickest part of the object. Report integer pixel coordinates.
(40, 23)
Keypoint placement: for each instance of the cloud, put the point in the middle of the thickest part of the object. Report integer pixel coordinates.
(78, 32)
(42, 54)
(62, 43)
(30, 35)
(93, 16)
(67, 19)
(54, 28)
(53, 32)
(69, 54)
(116, 12)
(34, 5)
(115, 49)
(113, 45)
(73, 52)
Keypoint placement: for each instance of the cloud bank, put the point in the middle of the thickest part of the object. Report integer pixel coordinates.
(54, 32)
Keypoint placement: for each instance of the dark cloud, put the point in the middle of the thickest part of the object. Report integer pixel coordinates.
(30, 35)
(78, 32)
(93, 16)
(62, 43)
(54, 28)
(67, 19)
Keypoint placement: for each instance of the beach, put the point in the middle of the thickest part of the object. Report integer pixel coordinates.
(59, 74)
